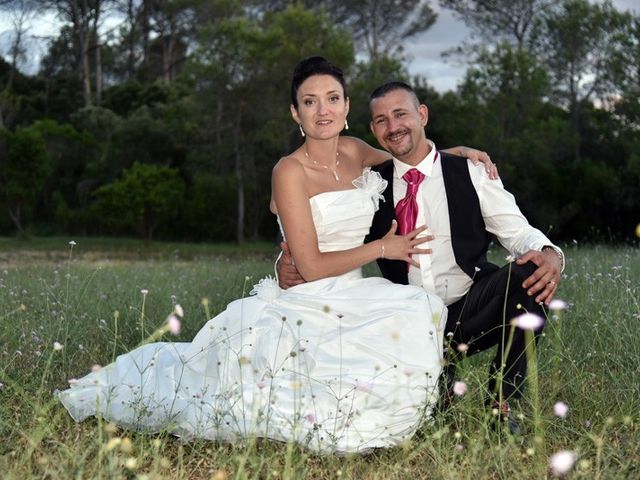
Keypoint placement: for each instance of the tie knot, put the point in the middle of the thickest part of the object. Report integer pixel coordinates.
(414, 178)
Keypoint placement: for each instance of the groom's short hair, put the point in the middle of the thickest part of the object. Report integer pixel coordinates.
(385, 88)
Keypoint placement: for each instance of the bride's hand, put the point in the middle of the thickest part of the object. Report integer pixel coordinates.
(477, 157)
(288, 274)
(401, 247)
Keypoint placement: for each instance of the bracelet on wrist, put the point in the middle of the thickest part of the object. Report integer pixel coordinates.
(381, 249)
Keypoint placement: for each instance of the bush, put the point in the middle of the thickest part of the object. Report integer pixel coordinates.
(145, 198)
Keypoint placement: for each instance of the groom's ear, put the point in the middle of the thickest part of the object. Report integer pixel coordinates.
(423, 110)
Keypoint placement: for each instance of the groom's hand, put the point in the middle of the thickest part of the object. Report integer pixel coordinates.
(544, 281)
(288, 275)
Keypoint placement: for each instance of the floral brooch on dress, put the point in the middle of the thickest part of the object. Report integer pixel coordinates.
(266, 289)
(372, 183)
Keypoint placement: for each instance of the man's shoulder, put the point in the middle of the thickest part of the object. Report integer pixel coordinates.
(452, 158)
(455, 163)
(461, 165)
(384, 166)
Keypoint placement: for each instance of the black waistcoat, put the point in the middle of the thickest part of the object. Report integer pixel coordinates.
(469, 237)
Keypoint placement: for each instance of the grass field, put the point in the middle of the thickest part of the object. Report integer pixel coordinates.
(88, 299)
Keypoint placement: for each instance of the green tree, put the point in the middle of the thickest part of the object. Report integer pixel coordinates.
(70, 152)
(240, 76)
(502, 107)
(145, 198)
(201, 219)
(21, 14)
(576, 44)
(497, 21)
(102, 124)
(510, 84)
(24, 168)
(625, 74)
(378, 28)
(84, 21)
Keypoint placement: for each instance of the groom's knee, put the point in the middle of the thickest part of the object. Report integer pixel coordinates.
(515, 291)
(519, 273)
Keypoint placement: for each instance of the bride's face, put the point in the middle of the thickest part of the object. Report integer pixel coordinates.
(322, 107)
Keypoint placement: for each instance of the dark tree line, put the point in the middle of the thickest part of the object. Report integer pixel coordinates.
(163, 119)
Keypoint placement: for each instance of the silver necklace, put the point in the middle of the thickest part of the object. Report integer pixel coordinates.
(334, 172)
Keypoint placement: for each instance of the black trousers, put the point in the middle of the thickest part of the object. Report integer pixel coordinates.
(482, 320)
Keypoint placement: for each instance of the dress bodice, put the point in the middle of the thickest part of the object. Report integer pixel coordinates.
(343, 217)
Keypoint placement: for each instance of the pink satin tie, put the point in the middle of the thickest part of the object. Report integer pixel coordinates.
(407, 208)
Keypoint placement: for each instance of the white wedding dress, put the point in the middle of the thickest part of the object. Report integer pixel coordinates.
(342, 364)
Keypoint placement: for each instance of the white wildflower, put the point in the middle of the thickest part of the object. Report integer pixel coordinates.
(459, 388)
(562, 462)
(557, 304)
(528, 321)
(560, 409)
(174, 324)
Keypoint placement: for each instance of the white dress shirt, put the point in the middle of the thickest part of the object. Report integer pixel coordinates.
(439, 273)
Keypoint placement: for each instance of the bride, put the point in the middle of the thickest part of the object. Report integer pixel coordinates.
(339, 364)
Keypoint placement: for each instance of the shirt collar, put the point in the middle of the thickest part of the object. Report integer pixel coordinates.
(425, 166)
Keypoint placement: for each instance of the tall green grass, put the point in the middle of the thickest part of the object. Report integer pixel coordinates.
(89, 300)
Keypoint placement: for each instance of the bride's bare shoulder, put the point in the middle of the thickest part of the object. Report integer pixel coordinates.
(359, 150)
(352, 144)
(288, 179)
(288, 167)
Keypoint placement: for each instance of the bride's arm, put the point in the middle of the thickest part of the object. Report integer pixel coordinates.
(374, 156)
(292, 204)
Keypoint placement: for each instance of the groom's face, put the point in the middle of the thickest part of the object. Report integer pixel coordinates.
(398, 121)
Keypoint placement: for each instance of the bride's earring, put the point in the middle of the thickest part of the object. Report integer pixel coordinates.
(301, 130)
(346, 124)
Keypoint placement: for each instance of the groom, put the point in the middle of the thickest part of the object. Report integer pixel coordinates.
(461, 208)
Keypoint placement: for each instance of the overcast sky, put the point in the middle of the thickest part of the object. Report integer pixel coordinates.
(424, 51)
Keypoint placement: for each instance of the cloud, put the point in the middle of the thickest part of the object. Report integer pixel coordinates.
(35, 48)
(425, 50)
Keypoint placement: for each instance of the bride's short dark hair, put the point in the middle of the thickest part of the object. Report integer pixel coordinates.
(314, 66)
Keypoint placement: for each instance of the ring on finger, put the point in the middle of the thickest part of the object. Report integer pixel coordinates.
(552, 282)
